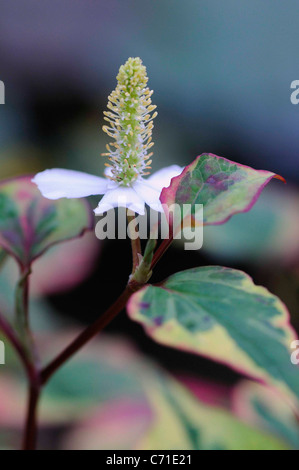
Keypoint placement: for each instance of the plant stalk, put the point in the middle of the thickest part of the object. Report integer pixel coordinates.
(88, 333)
(30, 433)
(135, 242)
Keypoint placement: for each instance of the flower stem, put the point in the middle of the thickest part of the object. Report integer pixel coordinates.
(26, 349)
(105, 319)
(89, 333)
(164, 245)
(110, 314)
(135, 241)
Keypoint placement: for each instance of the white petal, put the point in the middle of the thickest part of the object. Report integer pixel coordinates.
(58, 183)
(149, 194)
(120, 197)
(161, 179)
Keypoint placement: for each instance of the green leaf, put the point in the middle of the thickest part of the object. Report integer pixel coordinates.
(30, 224)
(219, 313)
(223, 187)
(135, 405)
(106, 372)
(182, 422)
(176, 421)
(264, 408)
(92, 381)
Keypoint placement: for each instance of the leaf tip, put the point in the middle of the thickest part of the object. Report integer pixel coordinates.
(281, 178)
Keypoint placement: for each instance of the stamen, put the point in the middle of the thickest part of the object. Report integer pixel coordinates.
(130, 123)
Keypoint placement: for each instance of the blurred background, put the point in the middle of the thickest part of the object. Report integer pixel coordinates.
(221, 73)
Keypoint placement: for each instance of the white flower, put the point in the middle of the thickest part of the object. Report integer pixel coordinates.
(58, 183)
(130, 124)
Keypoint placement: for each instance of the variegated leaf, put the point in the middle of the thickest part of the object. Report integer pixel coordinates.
(30, 224)
(223, 187)
(220, 313)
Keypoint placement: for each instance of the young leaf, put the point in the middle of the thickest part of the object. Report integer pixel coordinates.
(30, 224)
(219, 313)
(223, 187)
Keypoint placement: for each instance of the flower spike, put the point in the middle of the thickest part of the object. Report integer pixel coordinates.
(130, 124)
(130, 116)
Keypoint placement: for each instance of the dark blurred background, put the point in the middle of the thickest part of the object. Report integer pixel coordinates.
(221, 72)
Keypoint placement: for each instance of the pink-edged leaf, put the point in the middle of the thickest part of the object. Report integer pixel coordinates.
(223, 187)
(220, 313)
(30, 224)
(61, 268)
(263, 408)
(211, 393)
(117, 424)
(65, 266)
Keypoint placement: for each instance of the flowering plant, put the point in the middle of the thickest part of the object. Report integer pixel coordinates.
(213, 311)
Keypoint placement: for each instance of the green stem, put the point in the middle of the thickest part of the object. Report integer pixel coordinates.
(22, 304)
(22, 315)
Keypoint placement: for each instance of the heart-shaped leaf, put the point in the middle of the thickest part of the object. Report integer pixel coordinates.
(223, 187)
(30, 224)
(220, 313)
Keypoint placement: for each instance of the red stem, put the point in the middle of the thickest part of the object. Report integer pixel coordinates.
(30, 431)
(88, 333)
(30, 434)
(164, 245)
(107, 317)
(32, 373)
(135, 244)
(39, 378)
(160, 252)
